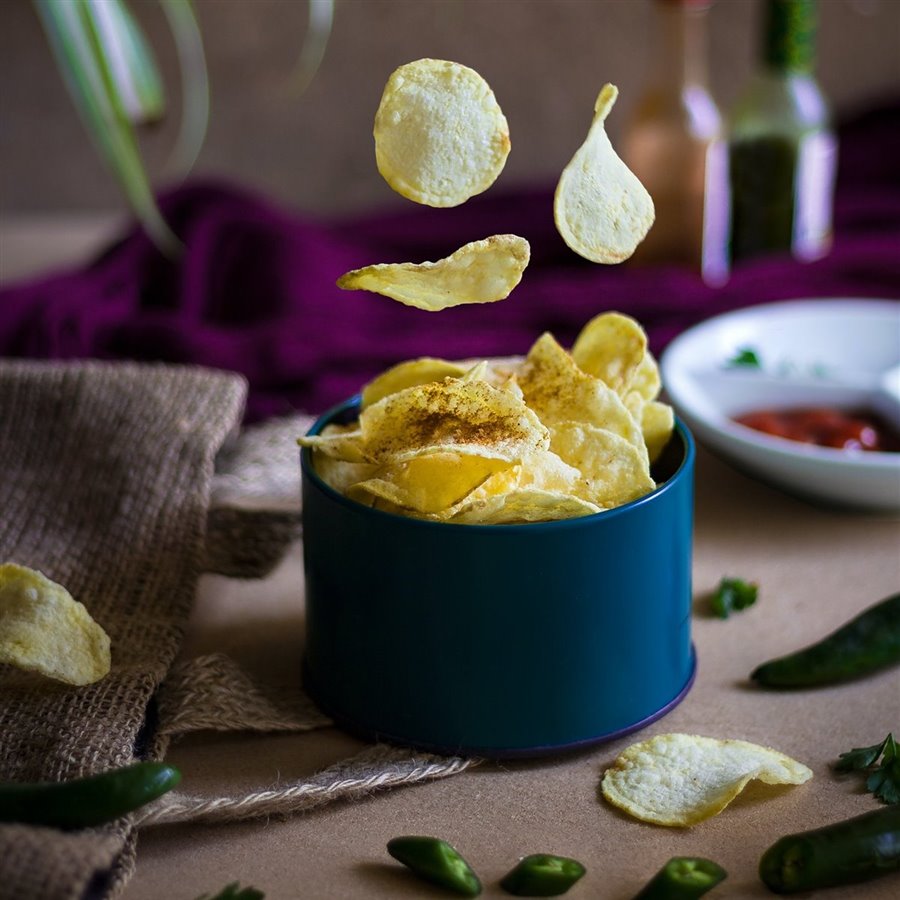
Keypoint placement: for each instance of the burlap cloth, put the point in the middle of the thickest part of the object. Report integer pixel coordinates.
(106, 473)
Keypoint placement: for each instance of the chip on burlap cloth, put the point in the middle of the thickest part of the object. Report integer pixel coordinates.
(105, 473)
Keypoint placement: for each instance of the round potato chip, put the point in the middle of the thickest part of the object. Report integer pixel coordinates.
(479, 272)
(440, 135)
(657, 424)
(600, 208)
(683, 779)
(409, 374)
(611, 347)
(44, 629)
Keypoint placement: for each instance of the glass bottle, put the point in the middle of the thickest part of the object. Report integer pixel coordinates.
(782, 150)
(673, 144)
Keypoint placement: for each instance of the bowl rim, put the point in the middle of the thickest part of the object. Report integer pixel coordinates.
(308, 472)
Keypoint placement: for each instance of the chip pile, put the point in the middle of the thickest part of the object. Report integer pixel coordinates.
(551, 436)
(44, 629)
(683, 779)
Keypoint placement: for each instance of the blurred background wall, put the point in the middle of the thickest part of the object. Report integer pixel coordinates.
(545, 60)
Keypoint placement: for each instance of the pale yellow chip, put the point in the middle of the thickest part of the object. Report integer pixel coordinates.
(338, 442)
(453, 415)
(657, 425)
(409, 374)
(342, 474)
(430, 482)
(614, 471)
(44, 629)
(601, 209)
(440, 135)
(558, 391)
(611, 347)
(523, 505)
(479, 272)
(683, 779)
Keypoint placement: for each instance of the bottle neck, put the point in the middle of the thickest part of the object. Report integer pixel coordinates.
(681, 45)
(789, 36)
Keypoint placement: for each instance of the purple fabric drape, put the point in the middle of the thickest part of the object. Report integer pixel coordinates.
(255, 293)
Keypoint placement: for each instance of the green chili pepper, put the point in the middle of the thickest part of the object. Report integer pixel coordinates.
(858, 849)
(869, 642)
(436, 861)
(85, 802)
(542, 875)
(683, 878)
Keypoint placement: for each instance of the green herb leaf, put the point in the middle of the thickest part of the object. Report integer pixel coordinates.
(882, 780)
(733, 595)
(234, 891)
(746, 357)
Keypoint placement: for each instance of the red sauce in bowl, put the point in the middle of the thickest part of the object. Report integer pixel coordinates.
(825, 427)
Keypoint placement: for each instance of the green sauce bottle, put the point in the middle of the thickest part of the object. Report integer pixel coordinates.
(782, 151)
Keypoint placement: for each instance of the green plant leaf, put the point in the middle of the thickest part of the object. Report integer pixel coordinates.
(78, 45)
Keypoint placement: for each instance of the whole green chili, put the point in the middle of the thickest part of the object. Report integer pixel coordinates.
(847, 852)
(436, 861)
(866, 643)
(85, 802)
(683, 878)
(542, 875)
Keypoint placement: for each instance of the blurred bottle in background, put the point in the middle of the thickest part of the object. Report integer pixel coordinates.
(782, 151)
(673, 144)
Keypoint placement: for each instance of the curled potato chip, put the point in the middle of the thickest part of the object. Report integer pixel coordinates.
(523, 505)
(611, 347)
(453, 415)
(558, 391)
(613, 470)
(44, 629)
(479, 272)
(409, 374)
(683, 779)
(657, 424)
(440, 135)
(342, 474)
(338, 442)
(601, 209)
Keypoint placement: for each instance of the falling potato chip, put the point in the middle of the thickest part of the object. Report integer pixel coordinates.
(479, 272)
(683, 779)
(409, 374)
(44, 629)
(611, 347)
(440, 135)
(601, 209)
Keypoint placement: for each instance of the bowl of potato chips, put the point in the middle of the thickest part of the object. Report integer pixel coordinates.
(497, 552)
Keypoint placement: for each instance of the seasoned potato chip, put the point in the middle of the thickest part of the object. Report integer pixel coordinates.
(479, 272)
(453, 415)
(682, 779)
(544, 470)
(338, 442)
(523, 505)
(558, 391)
(44, 629)
(409, 374)
(611, 347)
(613, 470)
(601, 209)
(440, 135)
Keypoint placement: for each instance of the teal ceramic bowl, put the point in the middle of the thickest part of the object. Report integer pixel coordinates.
(499, 640)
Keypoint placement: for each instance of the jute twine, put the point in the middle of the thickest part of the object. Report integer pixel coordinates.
(106, 481)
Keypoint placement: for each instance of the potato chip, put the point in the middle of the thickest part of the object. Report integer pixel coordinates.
(479, 272)
(409, 374)
(341, 474)
(452, 415)
(657, 424)
(558, 391)
(544, 470)
(440, 135)
(523, 505)
(430, 482)
(601, 209)
(611, 347)
(338, 442)
(683, 779)
(614, 471)
(44, 629)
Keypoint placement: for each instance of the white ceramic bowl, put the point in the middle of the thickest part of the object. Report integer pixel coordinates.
(812, 353)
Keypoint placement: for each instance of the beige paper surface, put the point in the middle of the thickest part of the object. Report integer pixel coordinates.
(815, 567)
